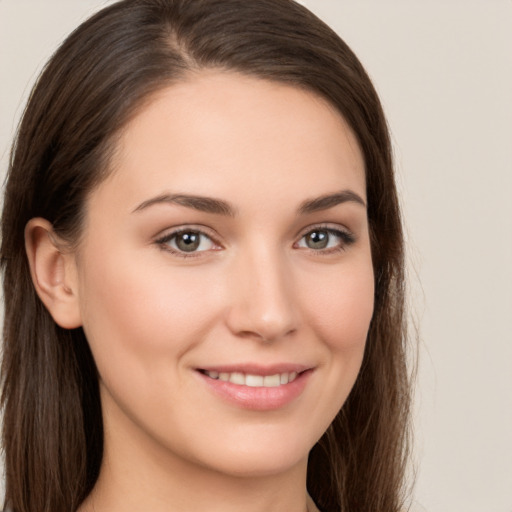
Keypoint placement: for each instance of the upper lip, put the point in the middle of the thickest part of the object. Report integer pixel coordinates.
(257, 369)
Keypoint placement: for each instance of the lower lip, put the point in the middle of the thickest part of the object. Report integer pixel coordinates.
(258, 398)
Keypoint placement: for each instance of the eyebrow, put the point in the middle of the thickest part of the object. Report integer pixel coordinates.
(329, 201)
(220, 207)
(201, 203)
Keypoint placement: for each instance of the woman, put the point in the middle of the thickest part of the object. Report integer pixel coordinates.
(203, 270)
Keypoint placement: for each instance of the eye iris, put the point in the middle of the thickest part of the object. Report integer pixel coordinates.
(188, 241)
(317, 239)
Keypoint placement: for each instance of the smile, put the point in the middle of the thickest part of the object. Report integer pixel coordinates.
(254, 381)
(257, 388)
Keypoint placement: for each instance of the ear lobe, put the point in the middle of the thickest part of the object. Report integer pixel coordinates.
(53, 273)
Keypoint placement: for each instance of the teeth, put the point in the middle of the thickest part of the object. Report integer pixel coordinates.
(237, 378)
(254, 381)
(272, 381)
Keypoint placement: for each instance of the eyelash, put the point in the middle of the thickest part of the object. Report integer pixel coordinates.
(346, 239)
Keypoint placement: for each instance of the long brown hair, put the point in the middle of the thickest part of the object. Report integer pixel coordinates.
(91, 87)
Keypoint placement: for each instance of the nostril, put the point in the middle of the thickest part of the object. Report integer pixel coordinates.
(267, 335)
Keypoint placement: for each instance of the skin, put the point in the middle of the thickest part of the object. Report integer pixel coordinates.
(255, 292)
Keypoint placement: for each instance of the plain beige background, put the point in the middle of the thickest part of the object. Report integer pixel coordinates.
(443, 69)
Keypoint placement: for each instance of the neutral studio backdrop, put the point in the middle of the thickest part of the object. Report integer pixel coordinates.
(443, 69)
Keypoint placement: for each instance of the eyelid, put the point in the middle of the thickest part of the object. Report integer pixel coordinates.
(327, 226)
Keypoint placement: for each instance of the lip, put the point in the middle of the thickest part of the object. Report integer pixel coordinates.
(257, 398)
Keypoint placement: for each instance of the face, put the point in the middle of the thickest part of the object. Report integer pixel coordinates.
(224, 278)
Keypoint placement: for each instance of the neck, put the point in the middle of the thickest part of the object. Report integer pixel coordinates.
(139, 476)
(136, 490)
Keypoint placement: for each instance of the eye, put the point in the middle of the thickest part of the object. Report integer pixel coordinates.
(187, 241)
(322, 239)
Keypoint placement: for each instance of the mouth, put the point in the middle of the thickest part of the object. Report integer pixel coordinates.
(257, 388)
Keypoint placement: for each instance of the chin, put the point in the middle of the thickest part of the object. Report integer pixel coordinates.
(261, 465)
(267, 454)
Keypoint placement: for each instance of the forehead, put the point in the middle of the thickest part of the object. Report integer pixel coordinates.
(220, 133)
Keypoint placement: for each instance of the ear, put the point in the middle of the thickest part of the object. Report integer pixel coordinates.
(53, 272)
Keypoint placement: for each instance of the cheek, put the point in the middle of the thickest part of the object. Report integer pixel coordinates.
(339, 311)
(137, 315)
(341, 308)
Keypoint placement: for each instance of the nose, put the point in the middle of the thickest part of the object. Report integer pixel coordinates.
(262, 300)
